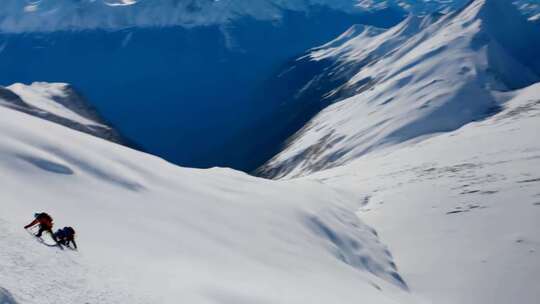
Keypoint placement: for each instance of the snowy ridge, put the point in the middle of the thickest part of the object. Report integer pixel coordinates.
(409, 86)
(366, 43)
(52, 15)
(60, 103)
(151, 232)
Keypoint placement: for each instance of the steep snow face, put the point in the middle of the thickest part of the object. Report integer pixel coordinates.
(461, 211)
(151, 232)
(305, 86)
(60, 103)
(408, 86)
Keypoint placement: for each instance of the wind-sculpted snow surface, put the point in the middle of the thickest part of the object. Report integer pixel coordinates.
(151, 232)
(424, 76)
(60, 103)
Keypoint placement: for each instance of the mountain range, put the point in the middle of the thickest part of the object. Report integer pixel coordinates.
(396, 161)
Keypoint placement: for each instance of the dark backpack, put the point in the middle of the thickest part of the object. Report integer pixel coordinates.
(70, 232)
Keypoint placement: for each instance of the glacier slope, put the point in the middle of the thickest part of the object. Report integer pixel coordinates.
(151, 232)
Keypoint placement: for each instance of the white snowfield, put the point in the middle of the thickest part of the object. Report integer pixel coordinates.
(424, 76)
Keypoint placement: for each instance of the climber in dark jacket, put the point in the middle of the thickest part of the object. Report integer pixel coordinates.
(65, 236)
(45, 222)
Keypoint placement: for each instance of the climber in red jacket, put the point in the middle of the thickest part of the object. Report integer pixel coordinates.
(45, 222)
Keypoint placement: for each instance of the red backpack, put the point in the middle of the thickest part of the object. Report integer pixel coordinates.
(45, 219)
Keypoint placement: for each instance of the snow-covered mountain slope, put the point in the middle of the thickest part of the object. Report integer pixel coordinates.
(424, 76)
(305, 86)
(151, 232)
(59, 103)
(403, 213)
(461, 211)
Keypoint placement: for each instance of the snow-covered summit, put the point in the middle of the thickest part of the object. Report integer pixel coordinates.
(413, 85)
(59, 103)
